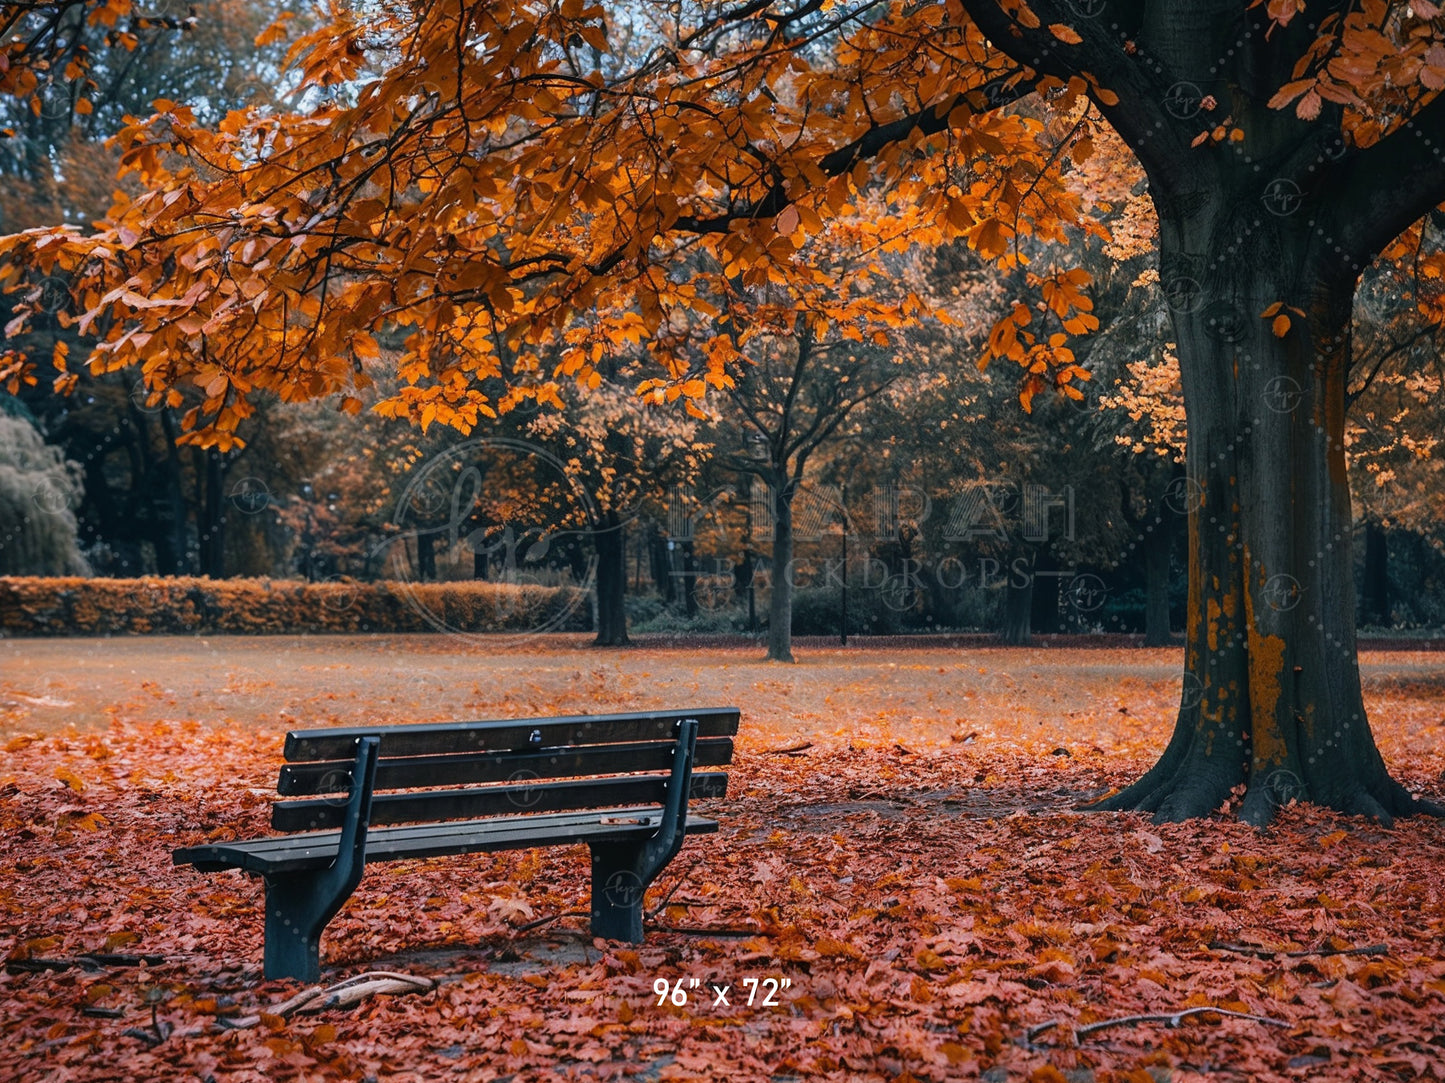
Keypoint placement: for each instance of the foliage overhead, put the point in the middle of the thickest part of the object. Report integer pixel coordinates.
(513, 192)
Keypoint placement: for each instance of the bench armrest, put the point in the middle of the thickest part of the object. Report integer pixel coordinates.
(663, 846)
(351, 847)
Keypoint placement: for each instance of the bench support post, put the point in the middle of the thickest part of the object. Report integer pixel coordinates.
(621, 871)
(298, 905)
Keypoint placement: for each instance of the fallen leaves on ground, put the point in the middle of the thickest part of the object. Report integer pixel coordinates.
(937, 912)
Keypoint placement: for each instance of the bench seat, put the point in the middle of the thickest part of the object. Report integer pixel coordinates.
(313, 850)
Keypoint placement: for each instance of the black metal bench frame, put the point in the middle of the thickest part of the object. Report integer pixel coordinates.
(309, 875)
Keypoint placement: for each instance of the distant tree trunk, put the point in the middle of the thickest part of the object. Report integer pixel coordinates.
(743, 586)
(780, 605)
(1044, 612)
(1018, 604)
(1375, 603)
(660, 561)
(172, 557)
(213, 525)
(689, 579)
(426, 556)
(611, 582)
(1158, 542)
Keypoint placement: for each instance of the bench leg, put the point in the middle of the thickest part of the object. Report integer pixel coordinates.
(296, 914)
(621, 871)
(618, 885)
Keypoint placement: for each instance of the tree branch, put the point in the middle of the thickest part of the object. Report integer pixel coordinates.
(1383, 189)
(1158, 139)
(930, 120)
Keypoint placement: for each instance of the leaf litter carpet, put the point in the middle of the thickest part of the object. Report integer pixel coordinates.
(903, 885)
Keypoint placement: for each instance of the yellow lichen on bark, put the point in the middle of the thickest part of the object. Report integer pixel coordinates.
(1266, 666)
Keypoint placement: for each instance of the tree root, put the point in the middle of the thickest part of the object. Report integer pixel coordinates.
(1172, 801)
(1179, 795)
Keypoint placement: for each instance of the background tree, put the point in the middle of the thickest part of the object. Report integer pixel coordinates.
(622, 453)
(146, 506)
(38, 493)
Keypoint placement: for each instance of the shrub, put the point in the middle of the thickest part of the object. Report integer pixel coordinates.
(816, 612)
(169, 606)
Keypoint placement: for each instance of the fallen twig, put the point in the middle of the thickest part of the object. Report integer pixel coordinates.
(539, 922)
(343, 994)
(682, 879)
(1174, 1020)
(95, 961)
(1266, 953)
(1170, 1020)
(791, 750)
(159, 1030)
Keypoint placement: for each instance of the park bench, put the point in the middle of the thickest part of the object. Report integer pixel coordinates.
(620, 783)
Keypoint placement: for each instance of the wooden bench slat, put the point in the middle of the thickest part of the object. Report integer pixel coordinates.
(400, 808)
(437, 738)
(317, 850)
(305, 779)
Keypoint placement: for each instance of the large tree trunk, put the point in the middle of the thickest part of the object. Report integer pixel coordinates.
(780, 604)
(611, 583)
(1289, 216)
(1271, 696)
(1158, 544)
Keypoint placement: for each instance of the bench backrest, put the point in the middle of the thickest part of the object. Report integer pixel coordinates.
(463, 770)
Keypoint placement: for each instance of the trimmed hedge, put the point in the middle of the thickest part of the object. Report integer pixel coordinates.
(188, 606)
